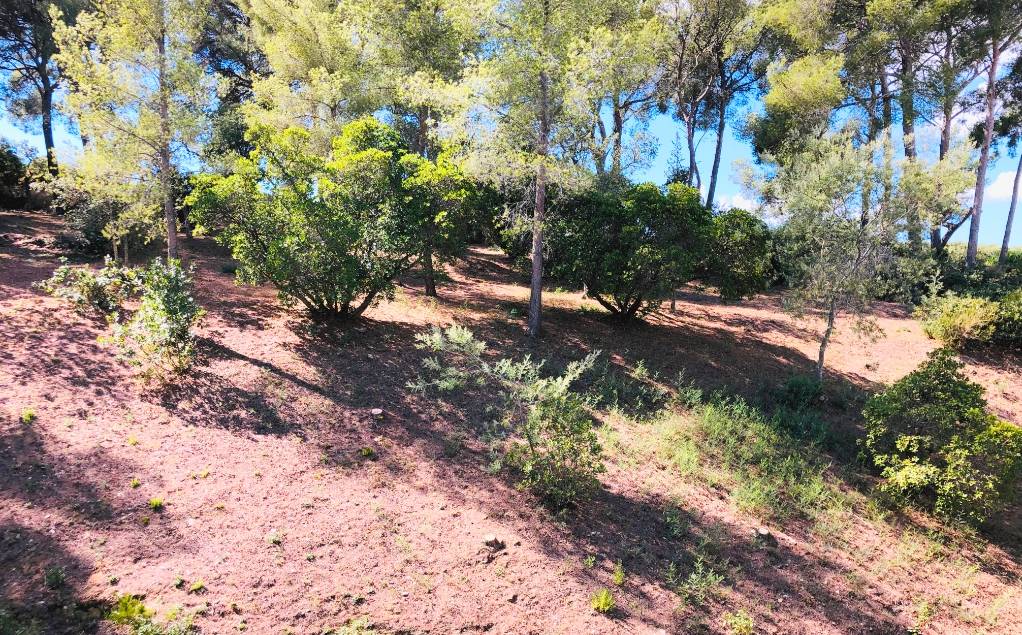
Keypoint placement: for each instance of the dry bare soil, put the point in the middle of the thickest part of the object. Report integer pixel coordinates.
(271, 506)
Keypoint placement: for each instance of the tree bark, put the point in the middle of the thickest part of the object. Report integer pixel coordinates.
(690, 138)
(619, 132)
(169, 213)
(908, 131)
(984, 155)
(1002, 259)
(831, 315)
(721, 123)
(427, 265)
(46, 98)
(539, 212)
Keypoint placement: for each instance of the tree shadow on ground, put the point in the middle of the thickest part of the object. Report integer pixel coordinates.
(42, 583)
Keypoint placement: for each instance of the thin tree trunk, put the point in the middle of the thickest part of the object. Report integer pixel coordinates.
(46, 97)
(831, 315)
(542, 147)
(1002, 259)
(427, 265)
(169, 213)
(721, 123)
(908, 131)
(984, 155)
(690, 134)
(619, 132)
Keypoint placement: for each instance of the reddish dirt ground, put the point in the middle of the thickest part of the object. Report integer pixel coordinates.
(269, 503)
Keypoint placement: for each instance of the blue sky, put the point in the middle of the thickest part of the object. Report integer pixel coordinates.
(665, 130)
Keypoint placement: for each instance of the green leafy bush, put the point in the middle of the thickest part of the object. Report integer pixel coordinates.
(738, 258)
(934, 443)
(552, 444)
(630, 246)
(1008, 326)
(86, 289)
(158, 336)
(954, 320)
(331, 233)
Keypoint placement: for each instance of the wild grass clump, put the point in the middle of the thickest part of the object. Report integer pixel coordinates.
(129, 611)
(603, 601)
(550, 441)
(777, 477)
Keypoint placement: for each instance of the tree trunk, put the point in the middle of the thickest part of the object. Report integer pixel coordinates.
(542, 147)
(908, 132)
(984, 155)
(619, 125)
(427, 265)
(831, 315)
(46, 98)
(169, 213)
(721, 123)
(1002, 259)
(690, 139)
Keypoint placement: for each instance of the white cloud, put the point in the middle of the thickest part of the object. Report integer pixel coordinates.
(739, 200)
(1000, 188)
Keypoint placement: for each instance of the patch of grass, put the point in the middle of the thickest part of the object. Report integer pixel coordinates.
(739, 623)
(275, 538)
(156, 504)
(129, 611)
(197, 587)
(618, 577)
(701, 584)
(54, 578)
(589, 561)
(603, 601)
(135, 483)
(28, 416)
(11, 624)
(132, 441)
(179, 582)
(367, 453)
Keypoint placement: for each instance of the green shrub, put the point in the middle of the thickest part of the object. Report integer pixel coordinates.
(629, 246)
(954, 320)
(331, 233)
(158, 336)
(934, 443)
(553, 446)
(1008, 327)
(101, 290)
(738, 258)
(800, 392)
(603, 601)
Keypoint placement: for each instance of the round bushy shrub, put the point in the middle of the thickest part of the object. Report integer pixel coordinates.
(738, 260)
(629, 246)
(934, 443)
(954, 320)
